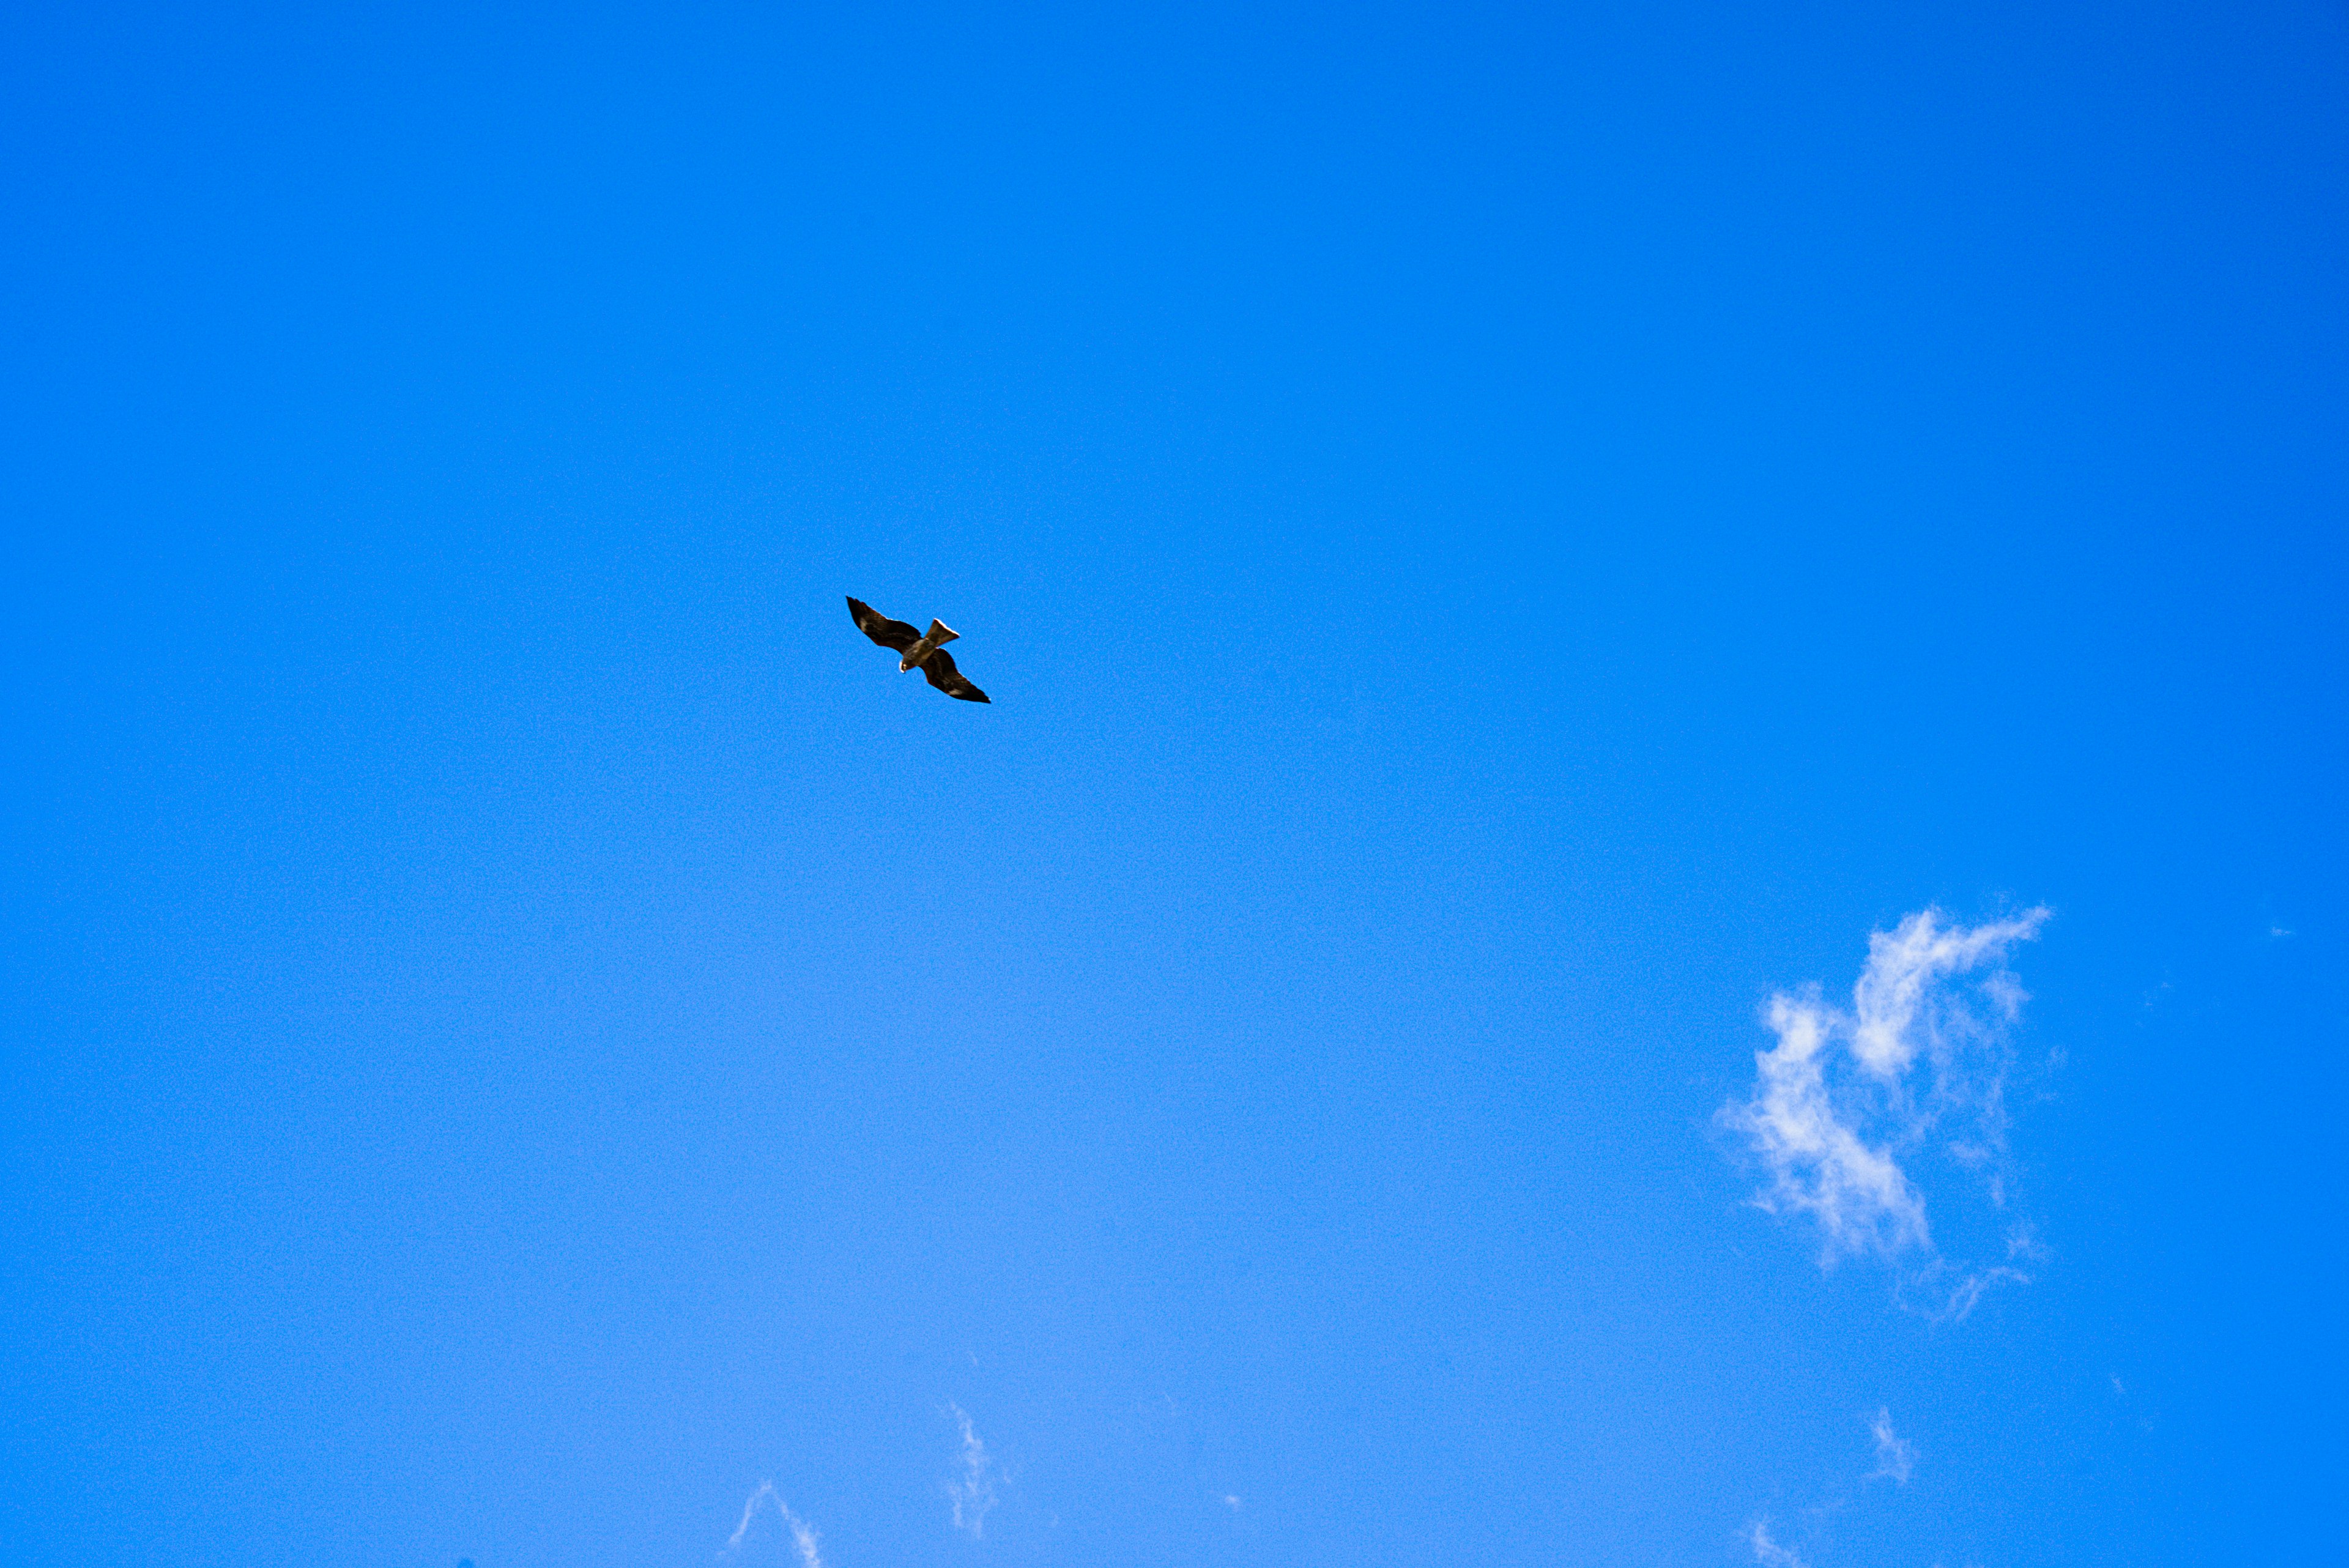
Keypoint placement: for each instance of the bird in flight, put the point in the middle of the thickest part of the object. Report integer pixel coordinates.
(920, 648)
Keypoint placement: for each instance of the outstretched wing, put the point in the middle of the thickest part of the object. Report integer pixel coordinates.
(888, 633)
(939, 669)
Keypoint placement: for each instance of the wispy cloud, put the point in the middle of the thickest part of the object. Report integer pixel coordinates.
(971, 1489)
(1768, 1552)
(803, 1539)
(1846, 1094)
(1894, 1457)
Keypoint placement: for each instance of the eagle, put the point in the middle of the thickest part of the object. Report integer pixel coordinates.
(918, 647)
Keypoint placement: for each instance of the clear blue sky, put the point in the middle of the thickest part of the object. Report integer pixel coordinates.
(1501, 540)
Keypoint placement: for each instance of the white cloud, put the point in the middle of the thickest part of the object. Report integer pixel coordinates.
(1818, 1163)
(972, 1489)
(1768, 1552)
(1894, 1457)
(803, 1538)
(1847, 1095)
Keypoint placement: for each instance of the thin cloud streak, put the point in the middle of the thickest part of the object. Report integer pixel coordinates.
(1894, 1459)
(1768, 1552)
(972, 1491)
(803, 1537)
(1846, 1094)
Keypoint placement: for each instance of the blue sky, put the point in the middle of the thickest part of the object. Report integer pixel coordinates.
(1656, 874)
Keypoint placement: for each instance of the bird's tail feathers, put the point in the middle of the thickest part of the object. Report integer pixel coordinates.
(941, 633)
